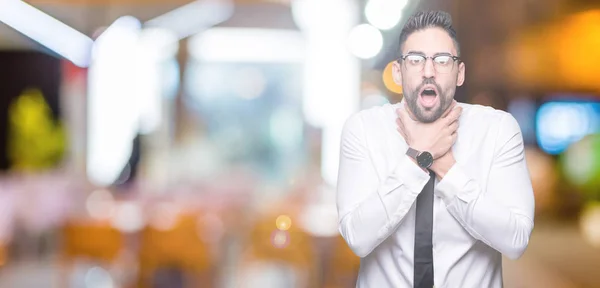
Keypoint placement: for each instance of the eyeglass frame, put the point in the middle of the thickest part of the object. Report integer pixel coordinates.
(456, 59)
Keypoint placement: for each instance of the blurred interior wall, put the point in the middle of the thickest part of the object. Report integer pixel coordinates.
(21, 70)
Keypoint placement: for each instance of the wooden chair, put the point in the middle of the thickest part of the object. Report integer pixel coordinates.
(291, 248)
(97, 241)
(3, 254)
(180, 246)
(343, 266)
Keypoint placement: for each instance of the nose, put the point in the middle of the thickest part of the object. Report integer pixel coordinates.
(428, 70)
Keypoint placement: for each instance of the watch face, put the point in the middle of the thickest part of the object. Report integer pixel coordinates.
(425, 159)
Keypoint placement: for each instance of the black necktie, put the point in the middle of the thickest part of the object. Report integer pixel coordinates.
(423, 274)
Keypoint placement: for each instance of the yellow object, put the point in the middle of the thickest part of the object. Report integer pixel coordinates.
(283, 222)
(97, 241)
(542, 58)
(35, 141)
(293, 247)
(93, 240)
(388, 79)
(2, 255)
(179, 246)
(342, 270)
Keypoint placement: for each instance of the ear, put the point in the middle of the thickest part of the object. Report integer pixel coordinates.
(461, 74)
(397, 72)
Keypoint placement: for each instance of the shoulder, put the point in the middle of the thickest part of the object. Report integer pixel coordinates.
(494, 122)
(480, 114)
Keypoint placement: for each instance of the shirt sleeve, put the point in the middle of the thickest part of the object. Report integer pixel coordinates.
(370, 209)
(502, 214)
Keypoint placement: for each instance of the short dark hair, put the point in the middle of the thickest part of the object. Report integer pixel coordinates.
(429, 19)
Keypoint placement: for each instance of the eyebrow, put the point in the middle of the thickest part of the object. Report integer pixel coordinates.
(423, 54)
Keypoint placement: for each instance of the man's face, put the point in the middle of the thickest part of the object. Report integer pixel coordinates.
(428, 88)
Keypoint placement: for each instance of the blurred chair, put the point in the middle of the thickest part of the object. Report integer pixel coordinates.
(3, 254)
(343, 266)
(178, 248)
(95, 241)
(272, 255)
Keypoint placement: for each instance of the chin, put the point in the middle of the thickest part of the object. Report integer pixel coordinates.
(428, 115)
(430, 110)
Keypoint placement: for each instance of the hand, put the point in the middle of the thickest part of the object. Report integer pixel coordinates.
(436, 138)
(442, 165)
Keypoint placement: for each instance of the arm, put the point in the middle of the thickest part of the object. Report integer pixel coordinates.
(371, 210)
(502, 215)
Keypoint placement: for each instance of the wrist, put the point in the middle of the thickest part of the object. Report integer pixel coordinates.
(424, 148)
(421, 148)
(423, 159)
(442, 165)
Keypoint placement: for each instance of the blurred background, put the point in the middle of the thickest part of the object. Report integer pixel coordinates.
(154, 143)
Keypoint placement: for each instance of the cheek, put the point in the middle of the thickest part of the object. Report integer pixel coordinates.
(411, 83)
(449, 85)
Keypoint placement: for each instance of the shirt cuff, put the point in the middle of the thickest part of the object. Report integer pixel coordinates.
(456, 183)
(406, 173)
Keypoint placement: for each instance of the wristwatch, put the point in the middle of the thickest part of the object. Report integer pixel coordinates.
(424, 159)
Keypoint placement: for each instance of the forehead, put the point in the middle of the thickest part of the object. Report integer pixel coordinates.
(430, 41)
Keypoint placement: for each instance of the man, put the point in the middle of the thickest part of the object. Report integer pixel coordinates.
(432, 192)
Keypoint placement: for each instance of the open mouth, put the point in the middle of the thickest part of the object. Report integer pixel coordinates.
(428, 97)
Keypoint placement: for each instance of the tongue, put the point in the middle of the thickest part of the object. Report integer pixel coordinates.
(428, 99)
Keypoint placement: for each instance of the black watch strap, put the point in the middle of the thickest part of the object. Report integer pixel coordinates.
(412, 153)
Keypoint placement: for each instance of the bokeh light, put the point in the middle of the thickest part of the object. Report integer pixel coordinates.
(98, 277)
(280, 239)
(283, 222)
(560, 124)
(128, 217)
(365, 41)
(590, 224)
(581, 165)
(384, 14)
(165, 216)
(100, 204)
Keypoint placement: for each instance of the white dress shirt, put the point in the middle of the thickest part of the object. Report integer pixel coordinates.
(483, 207)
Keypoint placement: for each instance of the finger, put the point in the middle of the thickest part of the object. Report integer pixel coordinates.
(448, 110)
(400, 128)
(400, 125)
(411, 115)
(453, 127)
(399, 111)
(402, 114)
(402, 133)
(455, 114)
(454, 137)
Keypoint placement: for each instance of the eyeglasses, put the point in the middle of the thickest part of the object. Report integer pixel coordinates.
(415, 63)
